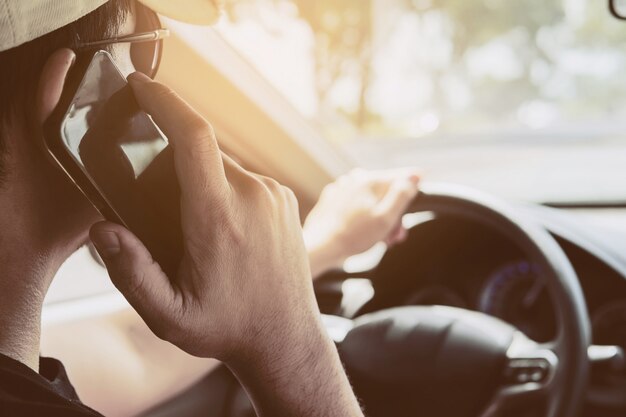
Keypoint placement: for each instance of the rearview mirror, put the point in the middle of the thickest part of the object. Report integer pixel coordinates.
(618, 8)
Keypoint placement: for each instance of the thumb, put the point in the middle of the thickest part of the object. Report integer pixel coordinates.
(401, 192)
(397, 235)
(133, 271)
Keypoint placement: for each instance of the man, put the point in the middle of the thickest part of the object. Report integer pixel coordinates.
(243, 242)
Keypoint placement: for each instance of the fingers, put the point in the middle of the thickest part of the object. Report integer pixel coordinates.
(197, 156)
(132, 270)
(395, 202)
(397, 235)
(52, 81)
(379, 181)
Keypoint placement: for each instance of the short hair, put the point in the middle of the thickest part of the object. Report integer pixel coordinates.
(20, 67)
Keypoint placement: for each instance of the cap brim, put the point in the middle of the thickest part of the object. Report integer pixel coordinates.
(197, 12)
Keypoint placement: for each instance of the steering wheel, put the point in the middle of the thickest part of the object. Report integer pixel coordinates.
(444, 361)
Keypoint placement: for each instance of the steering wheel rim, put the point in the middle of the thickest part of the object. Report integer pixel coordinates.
(567, 386)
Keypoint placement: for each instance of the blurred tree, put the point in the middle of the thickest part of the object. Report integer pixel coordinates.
(344, 32)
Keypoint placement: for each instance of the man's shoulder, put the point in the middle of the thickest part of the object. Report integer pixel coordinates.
(24, 392)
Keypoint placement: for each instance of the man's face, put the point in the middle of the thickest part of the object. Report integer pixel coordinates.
(63, 213)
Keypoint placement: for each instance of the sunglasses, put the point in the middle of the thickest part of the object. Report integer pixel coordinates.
(146, 44)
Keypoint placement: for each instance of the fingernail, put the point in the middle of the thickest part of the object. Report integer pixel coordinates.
(107, 243)
(139, 78)
(414, 179)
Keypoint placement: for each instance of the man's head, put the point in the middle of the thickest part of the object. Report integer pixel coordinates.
(45, 205)
(37, 47)
(21, 67)
(44, 217)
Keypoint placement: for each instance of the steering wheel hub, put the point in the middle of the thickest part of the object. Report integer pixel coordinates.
(435, 361)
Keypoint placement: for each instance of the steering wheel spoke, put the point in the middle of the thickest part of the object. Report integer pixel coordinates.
(530, 365)
(528, 374)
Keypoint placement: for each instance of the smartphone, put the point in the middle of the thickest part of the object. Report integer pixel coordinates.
(117, 156)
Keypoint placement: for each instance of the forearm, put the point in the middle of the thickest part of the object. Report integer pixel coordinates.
(324, 255)
(127, 361)
(302, 377)
(322, 260)
(354, 213)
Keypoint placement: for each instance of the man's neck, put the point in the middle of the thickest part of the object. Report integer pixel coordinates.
(30, 256)
(43, 219)
(23, 286)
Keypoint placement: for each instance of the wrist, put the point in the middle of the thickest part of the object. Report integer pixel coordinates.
(323, 260)
(283, 350)
(323, 255)
(300, 371)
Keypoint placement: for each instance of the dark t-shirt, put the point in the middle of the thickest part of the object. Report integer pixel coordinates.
(24, 392)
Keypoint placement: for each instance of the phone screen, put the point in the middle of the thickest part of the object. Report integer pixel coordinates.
(126, 158)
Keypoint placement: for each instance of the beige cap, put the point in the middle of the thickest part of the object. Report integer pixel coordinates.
(24, 20)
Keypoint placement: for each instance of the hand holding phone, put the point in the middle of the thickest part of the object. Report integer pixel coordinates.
(204, 231)
(243, 245)
(243, 292)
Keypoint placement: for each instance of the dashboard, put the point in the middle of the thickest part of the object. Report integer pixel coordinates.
(456, 262)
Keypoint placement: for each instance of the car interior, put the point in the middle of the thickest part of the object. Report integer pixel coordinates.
(509, 295)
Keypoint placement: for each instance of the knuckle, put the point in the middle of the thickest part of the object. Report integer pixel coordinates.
(161, 92)
(200, 130)
(262, 188)
(256, 185)
(290, 195)
(287, 191)
(209, 129)
(271, 184)
(408, 191)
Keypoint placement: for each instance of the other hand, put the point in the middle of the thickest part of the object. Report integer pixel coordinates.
(357, 211)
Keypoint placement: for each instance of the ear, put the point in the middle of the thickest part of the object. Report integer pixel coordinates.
(51, 82)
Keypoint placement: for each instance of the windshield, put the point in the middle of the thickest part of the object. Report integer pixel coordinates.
(526, 99)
